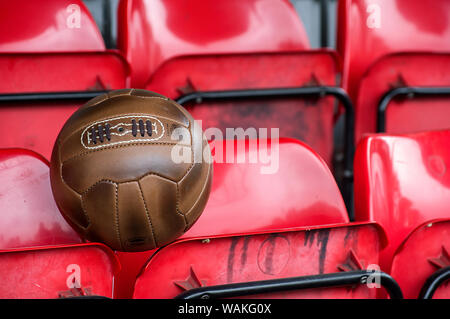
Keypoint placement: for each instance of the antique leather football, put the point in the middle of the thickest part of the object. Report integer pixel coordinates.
(131, 170)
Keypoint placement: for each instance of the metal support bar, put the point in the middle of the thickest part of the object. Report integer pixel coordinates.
(433, 282)
(410, 92)
(324, 20)
(50, 96)
(107, 24)
(293, 92)
(294, 283)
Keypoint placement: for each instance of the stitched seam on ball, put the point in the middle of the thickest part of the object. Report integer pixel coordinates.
(103, 180)
(147, 174)
(137, 114)
(83, 208)
(154, 97)
(64, 181)
(118, 146)
(192, 163)
(117, 215)
(101, 101)
(96, 183)
(58, 145)
(148, 215)
(203, 189)
(60, 168)
(192, 158)
(188, 170)
(179, 212)
(116, 203)
(160, 98)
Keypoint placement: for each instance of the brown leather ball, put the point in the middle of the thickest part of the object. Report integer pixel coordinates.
(114, 175)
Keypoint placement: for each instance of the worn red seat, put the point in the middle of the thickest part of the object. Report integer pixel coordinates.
(41, 256)
(197, 48)
(50, 66)
(401, 182)
(305, 117)
(301, 187)
(244, 237)
(39, 91)
(252, 265)
(383, 66)
(396, 94)
(300, 191)
(421, 264)
(28, 215)
(48, 272)
(151, 32)
(62, 26)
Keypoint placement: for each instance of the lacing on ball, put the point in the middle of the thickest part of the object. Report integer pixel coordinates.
(108, 131)
(100, 132)
(149, 127)
(133, 127)
(141, 127)
(93, 135)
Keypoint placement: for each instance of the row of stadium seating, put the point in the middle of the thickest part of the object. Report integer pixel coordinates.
(257, 52)
(402, 226)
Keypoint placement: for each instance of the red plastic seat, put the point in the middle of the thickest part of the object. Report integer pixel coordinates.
(424, 252)
(391, 44)
(38, 249)
(153, 31)
(51, 47)
(48, 26)
(58, 272)
(308, 118)
(27, 202)
(211, 261)
(34, 123)
(402, 182)
(301, 191)
(28, 215)
(243, 200)
(407, 111)
(371, 29)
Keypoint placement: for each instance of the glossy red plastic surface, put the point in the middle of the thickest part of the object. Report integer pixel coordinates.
(302, 192)
(370, 29)
(306, 119)
(153, 31)
(401, 182)
(35, 125)
(49, 272)
(48, 26)
(224, 260)
(404, 115)
(420, 255)
(243, 200)
(28, 214)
